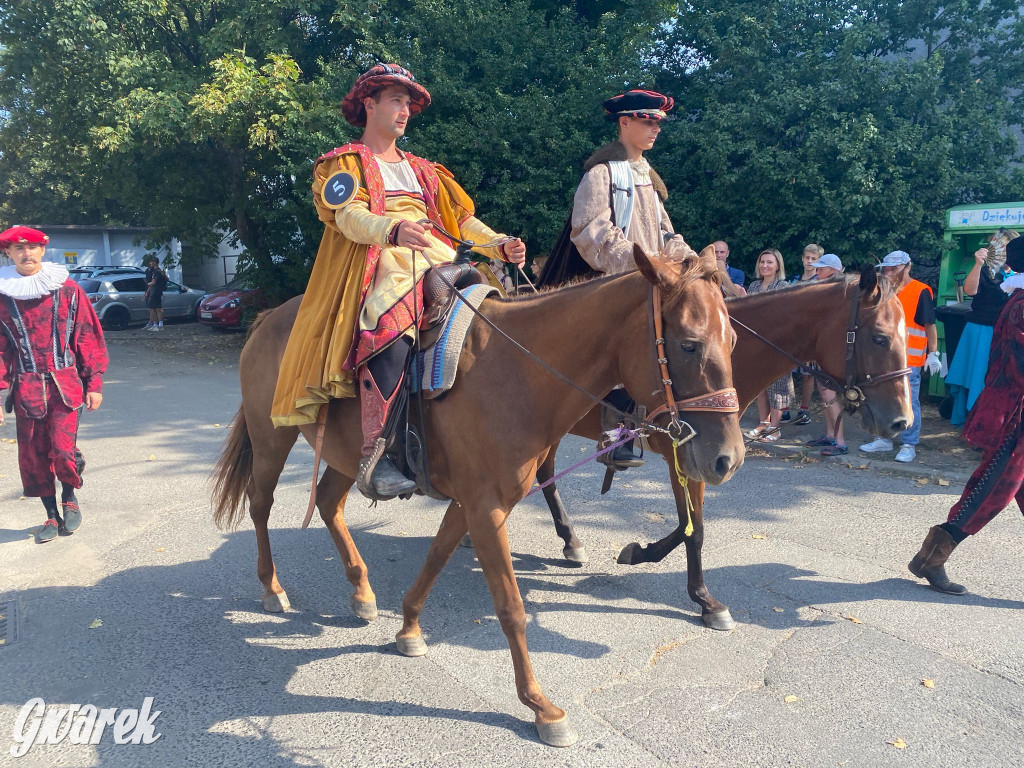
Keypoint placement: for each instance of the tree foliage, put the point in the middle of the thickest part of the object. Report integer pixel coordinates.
(847, 124)
(831, 121)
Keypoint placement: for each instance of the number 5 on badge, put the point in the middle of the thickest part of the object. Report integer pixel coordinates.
(339, 189)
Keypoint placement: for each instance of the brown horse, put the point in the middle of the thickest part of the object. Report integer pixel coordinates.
(811, 324)
(597, 334)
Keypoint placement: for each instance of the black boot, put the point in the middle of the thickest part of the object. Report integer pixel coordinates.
(624, 456)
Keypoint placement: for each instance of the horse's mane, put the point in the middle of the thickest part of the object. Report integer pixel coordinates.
(885, 287)
(691, 269)
(257, 322)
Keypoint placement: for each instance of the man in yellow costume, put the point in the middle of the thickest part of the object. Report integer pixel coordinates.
(355, 326)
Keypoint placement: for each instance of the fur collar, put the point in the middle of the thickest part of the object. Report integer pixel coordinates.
(46, 280)
(614, 151)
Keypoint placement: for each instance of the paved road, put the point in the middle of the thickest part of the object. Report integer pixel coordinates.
(810, 558)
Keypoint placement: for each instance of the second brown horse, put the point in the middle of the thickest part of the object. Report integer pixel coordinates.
(811, 323)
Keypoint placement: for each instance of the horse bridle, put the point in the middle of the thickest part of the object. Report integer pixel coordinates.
(719, 401)
(851, 390)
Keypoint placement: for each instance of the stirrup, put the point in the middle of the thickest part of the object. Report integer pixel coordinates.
(378, 478)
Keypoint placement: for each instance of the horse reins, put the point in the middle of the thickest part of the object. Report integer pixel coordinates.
(719, 401)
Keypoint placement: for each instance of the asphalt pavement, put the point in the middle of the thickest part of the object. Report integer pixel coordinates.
(826, 667)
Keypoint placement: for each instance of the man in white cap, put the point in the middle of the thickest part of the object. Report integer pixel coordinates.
(833, 442)
(922, 346)
(828, 265)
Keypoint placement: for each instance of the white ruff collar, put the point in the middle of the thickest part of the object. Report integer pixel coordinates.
(1013, 282)
(46, 280)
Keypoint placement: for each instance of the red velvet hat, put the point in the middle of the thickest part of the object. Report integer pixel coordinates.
(649, 105)
(20, 234)
(372, 80)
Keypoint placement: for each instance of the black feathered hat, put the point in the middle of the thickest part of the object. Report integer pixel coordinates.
(649, 105)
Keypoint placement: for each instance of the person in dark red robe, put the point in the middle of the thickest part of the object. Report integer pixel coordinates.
(52, 361)
(994, 425)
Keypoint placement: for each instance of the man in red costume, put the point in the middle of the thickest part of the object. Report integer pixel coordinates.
(52, 360)
(994, 425)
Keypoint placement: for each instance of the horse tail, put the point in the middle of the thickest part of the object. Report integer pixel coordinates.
(232, 474)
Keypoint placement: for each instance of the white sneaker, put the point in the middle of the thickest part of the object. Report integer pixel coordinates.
(907, 454)
(147, 326)
(877, 445)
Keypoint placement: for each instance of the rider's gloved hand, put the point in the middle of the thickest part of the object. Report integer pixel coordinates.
(932, 363)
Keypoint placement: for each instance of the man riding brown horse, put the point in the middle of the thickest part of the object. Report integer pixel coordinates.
(384, 212)
(619, 203)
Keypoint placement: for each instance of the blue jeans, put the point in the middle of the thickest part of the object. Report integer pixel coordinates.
(912, 436)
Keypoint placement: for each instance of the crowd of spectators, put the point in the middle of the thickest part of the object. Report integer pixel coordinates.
(918, 300)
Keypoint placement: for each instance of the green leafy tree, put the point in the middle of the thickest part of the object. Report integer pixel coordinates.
(847, 124)
(197, 117)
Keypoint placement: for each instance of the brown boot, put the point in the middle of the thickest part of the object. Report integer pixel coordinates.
(378, 478)
(930, 562)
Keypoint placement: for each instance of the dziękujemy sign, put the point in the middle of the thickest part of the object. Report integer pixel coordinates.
(995, 217)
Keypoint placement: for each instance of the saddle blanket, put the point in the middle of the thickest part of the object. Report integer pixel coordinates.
(436, 366)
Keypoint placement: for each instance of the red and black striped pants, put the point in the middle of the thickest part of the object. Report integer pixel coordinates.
(994, 484)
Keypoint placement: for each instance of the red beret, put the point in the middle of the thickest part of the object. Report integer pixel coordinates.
(20, 234)
(372, 80)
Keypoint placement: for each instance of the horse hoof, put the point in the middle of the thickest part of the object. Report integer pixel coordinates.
(631, 554)
(466, 542)
(364, 609)
(719, 620)
(411, 646)
(276, 602)
(560, 733)
(576, 555)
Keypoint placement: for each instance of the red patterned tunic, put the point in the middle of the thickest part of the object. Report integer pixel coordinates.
(51, 354)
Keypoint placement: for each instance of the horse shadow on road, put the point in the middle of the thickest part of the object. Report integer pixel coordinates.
(233, 681)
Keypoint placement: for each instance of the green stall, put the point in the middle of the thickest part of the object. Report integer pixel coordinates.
(968, 228)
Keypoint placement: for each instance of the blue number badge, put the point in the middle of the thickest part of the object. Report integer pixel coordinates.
(339, 189)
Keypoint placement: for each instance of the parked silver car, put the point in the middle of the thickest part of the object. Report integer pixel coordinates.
(120, 300)
(78, 274)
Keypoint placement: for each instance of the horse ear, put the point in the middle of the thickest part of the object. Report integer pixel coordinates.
(868, 278)
(707, 257)
(657, 271)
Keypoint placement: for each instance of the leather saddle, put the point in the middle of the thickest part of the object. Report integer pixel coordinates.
(439, 299)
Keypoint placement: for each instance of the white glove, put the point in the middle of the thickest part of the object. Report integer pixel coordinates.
(932, 363)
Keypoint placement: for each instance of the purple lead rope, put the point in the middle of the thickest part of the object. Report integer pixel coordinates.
(630, 434)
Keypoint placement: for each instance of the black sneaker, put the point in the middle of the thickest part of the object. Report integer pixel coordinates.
(802, 417)
(786, 418)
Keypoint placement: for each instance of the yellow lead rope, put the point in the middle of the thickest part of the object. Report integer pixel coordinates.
(686, 491)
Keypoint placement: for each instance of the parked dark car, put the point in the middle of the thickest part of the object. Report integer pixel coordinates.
(119, 299)
(232, 306)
